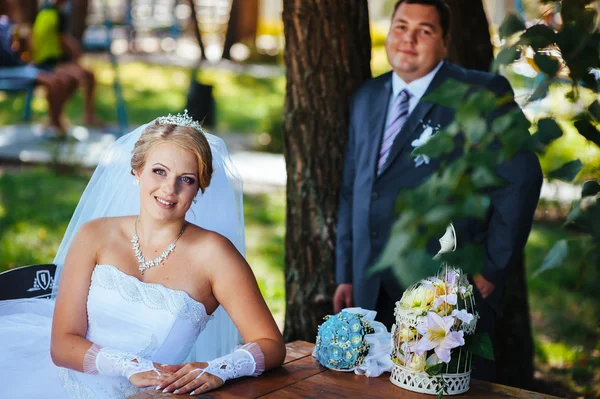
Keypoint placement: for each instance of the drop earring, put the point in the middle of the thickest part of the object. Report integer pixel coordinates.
(136, 181)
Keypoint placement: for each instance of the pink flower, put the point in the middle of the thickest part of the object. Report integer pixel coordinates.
(437, 335)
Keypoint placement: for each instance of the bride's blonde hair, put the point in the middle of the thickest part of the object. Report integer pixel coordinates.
(186, 137)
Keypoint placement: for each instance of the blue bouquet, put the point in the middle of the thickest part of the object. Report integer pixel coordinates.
(341, 342)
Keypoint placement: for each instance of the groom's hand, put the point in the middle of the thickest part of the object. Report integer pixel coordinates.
(485, 287)
(342, 298)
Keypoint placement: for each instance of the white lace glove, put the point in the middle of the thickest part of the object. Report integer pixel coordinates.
(114, 363)
(245, 361)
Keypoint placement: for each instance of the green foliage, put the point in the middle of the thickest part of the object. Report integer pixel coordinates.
(512, 24)
(566, 172)
(480, 345)
(555, 257)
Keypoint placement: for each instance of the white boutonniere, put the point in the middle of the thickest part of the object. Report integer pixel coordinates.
(428, 132)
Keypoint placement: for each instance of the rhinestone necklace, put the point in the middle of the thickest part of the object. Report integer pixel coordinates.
(146, 264)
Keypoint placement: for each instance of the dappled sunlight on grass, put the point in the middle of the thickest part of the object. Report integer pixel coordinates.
(265, 234)
(244, 103)
(564, 305)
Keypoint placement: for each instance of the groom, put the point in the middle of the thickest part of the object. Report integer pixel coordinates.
(387, 115)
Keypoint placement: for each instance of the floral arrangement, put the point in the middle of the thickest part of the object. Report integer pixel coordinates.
(434, 335)
(341, 343)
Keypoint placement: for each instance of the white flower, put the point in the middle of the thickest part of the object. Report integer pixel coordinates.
(596, 73)
(450, 299)
(437, 335)
(418, 299)
(428, 132)
(417, 363)
(462, 315)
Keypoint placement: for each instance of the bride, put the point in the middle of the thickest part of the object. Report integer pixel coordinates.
(140, 283)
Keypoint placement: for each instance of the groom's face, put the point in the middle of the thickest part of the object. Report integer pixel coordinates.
(415, 43)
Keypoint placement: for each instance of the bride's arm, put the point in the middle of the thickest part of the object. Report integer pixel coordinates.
(69, 325)
(69, 348)
(235, 287)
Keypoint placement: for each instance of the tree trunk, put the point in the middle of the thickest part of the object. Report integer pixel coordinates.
(470, 47)
(327, 57)
(243, 21)
(470, 44)
(28, 10)
(78, 18)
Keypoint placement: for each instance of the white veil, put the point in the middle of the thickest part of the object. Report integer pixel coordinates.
(111, 192)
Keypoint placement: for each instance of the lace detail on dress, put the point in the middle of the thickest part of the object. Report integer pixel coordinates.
(148, 351)
(78, 390)
(74, 388)
(154, 296)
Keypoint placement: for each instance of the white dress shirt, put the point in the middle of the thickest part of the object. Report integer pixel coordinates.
(417, 89)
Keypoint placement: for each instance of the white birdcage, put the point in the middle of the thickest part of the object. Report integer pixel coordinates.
(411, 311)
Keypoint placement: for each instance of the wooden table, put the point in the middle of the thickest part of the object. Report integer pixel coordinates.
(301, 376)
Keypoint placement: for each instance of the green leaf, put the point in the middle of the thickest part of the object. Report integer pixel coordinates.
(541, 91)
(435, 369)
(594, 109)
(590, 187)
(440, 143)
(484, 177)
(574, 214)
(555, 257)
(587, 130)
(512, 24)
(506, 56)
(475, 129)
(449, 94)
(548, 130)
(481, 345)
(549, 65)
(567, 172)
(538, 36)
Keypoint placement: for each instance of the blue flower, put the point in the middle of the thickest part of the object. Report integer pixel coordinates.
(343, 336)
(356, 340)
(335, 353)
(327, 335)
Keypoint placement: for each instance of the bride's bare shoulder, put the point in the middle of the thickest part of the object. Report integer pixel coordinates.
(106, 226)
(209, 243)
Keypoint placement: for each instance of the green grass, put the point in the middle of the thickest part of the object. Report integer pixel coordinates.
(564, 305)
(244, 103)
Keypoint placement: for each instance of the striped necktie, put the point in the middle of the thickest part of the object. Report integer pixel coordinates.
(393, 128)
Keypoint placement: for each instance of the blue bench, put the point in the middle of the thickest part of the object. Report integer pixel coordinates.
(12, 84)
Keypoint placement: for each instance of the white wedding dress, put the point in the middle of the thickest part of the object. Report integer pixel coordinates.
(150, 320)
(164, 325)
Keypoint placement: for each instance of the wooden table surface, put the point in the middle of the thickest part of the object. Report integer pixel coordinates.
(301, 376)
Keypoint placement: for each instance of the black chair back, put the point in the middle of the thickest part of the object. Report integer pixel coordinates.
(34, 281)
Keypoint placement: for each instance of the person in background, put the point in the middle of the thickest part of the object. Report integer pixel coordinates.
(13, 48)
(55, 49)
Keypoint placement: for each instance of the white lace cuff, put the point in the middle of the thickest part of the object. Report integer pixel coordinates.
(114, 363)
(248, 360)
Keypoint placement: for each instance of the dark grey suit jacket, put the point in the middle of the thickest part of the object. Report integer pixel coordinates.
(366, 211)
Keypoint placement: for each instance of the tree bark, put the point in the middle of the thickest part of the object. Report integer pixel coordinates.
(242, 25)
(470, 47)
(78, 18)
(327, 57)
(470, 43)
(28, 10)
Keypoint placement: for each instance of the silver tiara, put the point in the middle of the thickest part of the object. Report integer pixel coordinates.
(180, 120)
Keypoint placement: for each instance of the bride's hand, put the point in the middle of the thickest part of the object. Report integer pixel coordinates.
(189, 379)
(150, 378)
